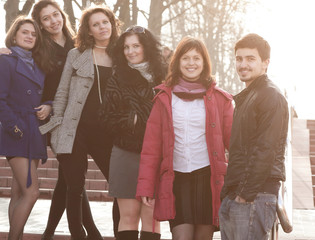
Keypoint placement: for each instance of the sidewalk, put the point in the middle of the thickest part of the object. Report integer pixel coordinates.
(303, 221)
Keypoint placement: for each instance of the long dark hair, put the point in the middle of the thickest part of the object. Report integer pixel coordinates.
(84, 40)
(47, 62)
(152, 51)
(186, 44)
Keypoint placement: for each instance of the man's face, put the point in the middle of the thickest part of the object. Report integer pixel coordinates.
(249, 65)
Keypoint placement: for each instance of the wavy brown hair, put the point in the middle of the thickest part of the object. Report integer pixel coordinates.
(186, 44)
(84, 40)
(47, 62)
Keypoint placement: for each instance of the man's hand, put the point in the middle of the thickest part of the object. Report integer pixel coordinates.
(240, 199)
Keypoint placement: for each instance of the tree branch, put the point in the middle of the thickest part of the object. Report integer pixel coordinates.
(27, 7)
(79, 6)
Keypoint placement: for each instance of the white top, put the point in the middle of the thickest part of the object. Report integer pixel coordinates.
(190, 148)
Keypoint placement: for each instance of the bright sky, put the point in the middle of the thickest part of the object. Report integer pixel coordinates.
(288, 26)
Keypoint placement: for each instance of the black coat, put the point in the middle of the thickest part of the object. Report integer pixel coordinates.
(258, 139)
(128, 94)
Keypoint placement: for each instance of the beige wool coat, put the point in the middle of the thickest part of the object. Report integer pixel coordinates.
(75, 84)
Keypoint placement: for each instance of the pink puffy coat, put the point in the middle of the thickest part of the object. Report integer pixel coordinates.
(156, 173)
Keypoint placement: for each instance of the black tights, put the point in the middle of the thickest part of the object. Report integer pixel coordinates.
(192, 232)
(58, 205)
(72, 174)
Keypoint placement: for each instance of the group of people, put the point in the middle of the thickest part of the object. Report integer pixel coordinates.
(160, 135)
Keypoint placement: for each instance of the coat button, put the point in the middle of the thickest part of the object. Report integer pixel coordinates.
(217, 182)
(215, 153)
(213, 125)
(29, 92)
(209, 98)
(40, 92)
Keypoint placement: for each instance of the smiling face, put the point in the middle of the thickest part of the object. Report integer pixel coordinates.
(191, 65)
(51, 20)
(100, 28)
(249, 65)
(25, 37)
(133, 49)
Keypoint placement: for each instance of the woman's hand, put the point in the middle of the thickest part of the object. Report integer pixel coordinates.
(148, 201)
(43, 111)
(5, 51)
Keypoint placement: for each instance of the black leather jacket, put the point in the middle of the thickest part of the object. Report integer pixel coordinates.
(258, 139)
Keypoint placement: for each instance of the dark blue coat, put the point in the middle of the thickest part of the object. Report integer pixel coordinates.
(20, 92)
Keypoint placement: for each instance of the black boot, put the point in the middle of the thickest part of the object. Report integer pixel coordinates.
(127, 235)
(81, 236)
(149, 236)
(47, 236)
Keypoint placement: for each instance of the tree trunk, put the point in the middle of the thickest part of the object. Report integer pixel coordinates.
(135, 11)
(69, 10)
(155, 17)
(12, 11)
(124, 12)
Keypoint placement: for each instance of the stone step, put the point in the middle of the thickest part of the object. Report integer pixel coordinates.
(49, 183)
(53, 173)
(311, 124)
(93, 195)
(51, 163)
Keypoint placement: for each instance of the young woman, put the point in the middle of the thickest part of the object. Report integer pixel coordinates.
(183, 156)
(22, 84)
(126, 107)
(57, 36)
(74, 125)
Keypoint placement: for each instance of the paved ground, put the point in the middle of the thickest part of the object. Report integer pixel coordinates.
(303, 221)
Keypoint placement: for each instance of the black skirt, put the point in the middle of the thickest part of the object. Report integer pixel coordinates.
(193, 198)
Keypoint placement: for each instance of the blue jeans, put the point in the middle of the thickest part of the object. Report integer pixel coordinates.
(248, 221)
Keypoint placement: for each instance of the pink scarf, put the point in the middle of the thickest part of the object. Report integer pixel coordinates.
(189, 90)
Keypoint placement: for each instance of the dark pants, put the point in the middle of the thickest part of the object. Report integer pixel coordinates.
(89, 140)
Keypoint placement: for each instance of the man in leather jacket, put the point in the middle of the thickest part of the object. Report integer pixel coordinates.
(257, 147)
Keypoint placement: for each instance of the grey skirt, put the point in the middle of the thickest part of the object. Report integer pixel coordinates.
(123, 173)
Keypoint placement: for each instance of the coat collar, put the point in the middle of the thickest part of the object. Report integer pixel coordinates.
(240, 97)
(36, 76)
(83, 64)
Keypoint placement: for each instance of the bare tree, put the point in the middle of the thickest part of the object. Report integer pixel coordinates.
(12, 10)
(217, 22)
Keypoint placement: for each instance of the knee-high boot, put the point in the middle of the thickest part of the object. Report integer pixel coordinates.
(127, 235)
(149, 236)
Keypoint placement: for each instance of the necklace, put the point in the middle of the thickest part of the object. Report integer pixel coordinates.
(101, 47)
(98, 78)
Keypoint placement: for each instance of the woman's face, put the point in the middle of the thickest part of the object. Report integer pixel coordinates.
(25, 37)
(100, 28)
(133, 49)
(51, 20)
(191, 65)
